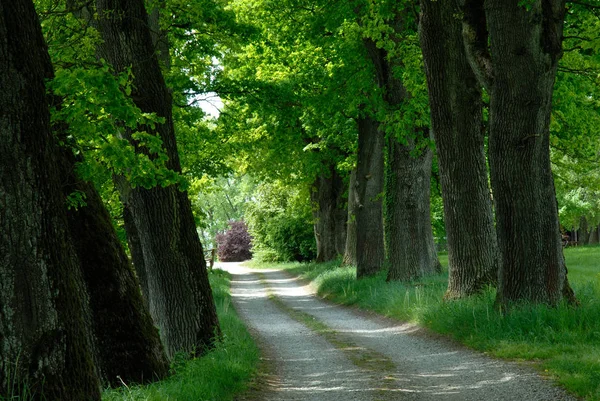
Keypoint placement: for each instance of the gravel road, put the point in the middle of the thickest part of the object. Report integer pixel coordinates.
(323, 352)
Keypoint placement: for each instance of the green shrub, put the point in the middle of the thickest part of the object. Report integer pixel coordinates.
(280, 222)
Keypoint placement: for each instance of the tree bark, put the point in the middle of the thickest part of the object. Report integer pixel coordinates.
(350, 247)
(584, 231)
(456, 119)
(409, 236)
(407, 219)
(593, 238)
(46, 341)
(129, 347)
(329, 214)
(525, 49)
(179, 294)
(135, 248)
(370, 252)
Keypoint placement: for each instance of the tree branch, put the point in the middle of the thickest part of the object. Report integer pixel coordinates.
(475, 37)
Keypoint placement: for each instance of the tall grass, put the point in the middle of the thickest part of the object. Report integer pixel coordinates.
(218, 375)
(563, 340)
(15, 388)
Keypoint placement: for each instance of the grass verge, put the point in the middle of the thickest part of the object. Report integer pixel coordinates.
(563, 341)
(219, 375)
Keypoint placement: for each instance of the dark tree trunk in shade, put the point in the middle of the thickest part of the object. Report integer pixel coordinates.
(179, 295)
(409, 239)
(46, 341)
(129, 347)
(350, 246)
(584, 232)
(329, 213)
(407, 219)
(593, 238)
(456, 120)
(135, 248)
(369, 193)
(525, 48)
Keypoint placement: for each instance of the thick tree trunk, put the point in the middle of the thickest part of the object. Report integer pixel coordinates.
(409, 237)
(525, 49)
(129, 346)
(329, 214)
(407, 220)
(350, 246)
(46, 341)
(370, 252)
(179, 294)
(456, 120)
(135, 248)
(341, 217)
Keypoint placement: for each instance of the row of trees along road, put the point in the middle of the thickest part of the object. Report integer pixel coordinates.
(361, 92)
(72, 315)
(359, 108)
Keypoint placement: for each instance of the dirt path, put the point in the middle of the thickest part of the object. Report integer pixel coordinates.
(319, 351)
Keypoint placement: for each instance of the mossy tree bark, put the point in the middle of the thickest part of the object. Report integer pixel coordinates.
(330, 214)
(179, 295)
(46, 341)
(129, 347)
(457, 120)
(407, 219)
(525, 46)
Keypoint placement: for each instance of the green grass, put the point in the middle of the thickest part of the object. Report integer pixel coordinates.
(564, 341)
(218, 375)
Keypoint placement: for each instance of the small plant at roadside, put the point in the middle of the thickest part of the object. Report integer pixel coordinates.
(234, 245)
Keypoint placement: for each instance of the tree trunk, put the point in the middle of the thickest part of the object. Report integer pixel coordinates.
(160, 38)
(135, 248)
(46, 341)
(407, 219)
(329, 214)
(341, 216)
(350, 246)
(525, 48)
(593, 239)
(129, 346)
(370, 252)
(456, 120)
(409, 236)
(179, 294)
(584, 231)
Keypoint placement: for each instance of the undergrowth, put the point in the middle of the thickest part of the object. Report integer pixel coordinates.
(564, 341)
(219, 375)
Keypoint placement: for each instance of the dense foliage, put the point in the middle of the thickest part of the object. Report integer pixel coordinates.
(281, 224)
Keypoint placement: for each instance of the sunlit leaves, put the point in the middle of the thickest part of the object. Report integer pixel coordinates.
(575, 125)
(96, 106)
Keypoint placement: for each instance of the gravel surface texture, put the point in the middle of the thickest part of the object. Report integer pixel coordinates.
(319, 351)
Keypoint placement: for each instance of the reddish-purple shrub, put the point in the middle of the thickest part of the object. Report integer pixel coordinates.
(234, 244)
